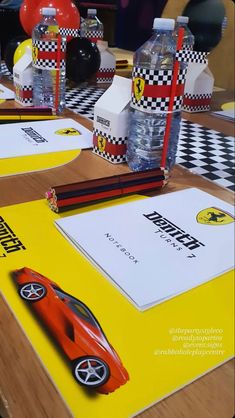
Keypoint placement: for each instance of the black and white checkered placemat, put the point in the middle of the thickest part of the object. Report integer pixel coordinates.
(207, 152)
(82, 99)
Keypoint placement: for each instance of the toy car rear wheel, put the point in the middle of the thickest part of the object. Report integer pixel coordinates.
(32, 292)
(91, 371)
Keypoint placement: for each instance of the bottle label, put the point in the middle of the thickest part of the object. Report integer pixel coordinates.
(151, 89)
(73, 33)
(93, 35)
(187, 55)
(49, 55)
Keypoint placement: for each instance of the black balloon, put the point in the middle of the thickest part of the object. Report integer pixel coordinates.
(82, 59)
(10, 50)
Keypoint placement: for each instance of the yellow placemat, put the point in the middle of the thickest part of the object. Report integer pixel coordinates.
(228, 106)
(30, 163)
(163, 348)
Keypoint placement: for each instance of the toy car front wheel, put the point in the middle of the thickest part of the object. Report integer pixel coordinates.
(32, 291)
(91, 371)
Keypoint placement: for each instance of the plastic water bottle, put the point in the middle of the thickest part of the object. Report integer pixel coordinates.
(91, 27)
(49, 75)
(188, 40)
(153, 67)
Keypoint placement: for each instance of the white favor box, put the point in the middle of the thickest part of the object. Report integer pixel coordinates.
(107, 64)
(23, 80)
(111, 117)
(198, 88)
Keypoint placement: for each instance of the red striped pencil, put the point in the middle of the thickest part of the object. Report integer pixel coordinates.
(68, 196)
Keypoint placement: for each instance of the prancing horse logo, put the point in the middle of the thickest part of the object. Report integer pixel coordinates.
(101, 142)
(68, 132)
(139, 84)
(214, 216)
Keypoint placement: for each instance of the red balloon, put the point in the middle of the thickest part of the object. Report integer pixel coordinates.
(67, 14)
(27, 10)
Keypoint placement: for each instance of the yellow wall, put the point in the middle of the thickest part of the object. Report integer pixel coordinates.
(221, 59)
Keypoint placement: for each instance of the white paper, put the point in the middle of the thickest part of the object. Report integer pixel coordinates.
(6, 93)
(29, 138)
(146, 263)
(228, 114)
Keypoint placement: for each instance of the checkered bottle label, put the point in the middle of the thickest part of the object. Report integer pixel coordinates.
(93, 35)
(187, 55)
(151, 89)
(47, 55)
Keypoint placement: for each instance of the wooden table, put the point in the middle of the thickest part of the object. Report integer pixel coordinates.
(26, 390)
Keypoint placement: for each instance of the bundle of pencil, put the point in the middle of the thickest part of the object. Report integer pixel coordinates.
(26, 114)
(26, 111)
(73, 195)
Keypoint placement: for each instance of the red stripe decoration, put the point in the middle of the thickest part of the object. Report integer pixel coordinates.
(105, 74)
(25, 94)
(196, 102)
(114, 149)
(155, 91)
(49, 55)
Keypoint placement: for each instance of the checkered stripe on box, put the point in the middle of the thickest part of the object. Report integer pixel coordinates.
(104, 79)
(157, 104)
(199, 108)
(115, 159)
(105, 75)
(23, 92)
(25, 100)
(27, 88)
(187, 55)
(197, 96)
(196, 102)
(112, 139)
(74, 33)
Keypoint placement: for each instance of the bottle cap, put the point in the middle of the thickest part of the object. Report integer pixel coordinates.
(91, 11)
(182, 19)
(166, 24)
(48, 11)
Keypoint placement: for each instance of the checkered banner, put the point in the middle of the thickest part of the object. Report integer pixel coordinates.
(151, 89)
(74, 33)
(109, 147)
(187, 55)
(47, 56)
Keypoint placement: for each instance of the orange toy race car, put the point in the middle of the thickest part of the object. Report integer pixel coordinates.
(95, 363)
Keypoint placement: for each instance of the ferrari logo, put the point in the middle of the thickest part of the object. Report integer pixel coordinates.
(101, 143)
(68, 132)
(139, 84)
(35, 53)
(214, 216)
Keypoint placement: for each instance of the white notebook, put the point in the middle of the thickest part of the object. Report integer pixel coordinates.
(30, 138)
(156, 248)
